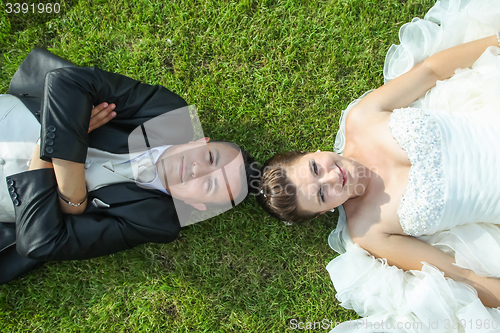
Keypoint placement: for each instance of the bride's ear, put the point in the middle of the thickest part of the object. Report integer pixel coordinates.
(330, 210)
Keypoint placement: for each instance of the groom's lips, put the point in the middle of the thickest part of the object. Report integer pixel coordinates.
(181, 169)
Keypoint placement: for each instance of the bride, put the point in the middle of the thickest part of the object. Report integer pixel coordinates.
(415, 180)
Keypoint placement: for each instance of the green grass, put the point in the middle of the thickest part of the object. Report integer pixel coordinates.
(269, 75)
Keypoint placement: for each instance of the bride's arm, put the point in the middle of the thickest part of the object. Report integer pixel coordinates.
(408, 253)
(408, 87)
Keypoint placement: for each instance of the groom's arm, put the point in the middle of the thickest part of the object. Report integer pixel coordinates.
(69, 94)
(70, 182)
(43, 232)
(71, 175)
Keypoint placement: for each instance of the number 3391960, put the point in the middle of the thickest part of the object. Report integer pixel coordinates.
(24, 8)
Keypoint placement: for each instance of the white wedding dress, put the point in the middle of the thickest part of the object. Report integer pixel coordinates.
(452, 200)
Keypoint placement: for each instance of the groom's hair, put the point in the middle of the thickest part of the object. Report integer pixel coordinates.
(278, 195)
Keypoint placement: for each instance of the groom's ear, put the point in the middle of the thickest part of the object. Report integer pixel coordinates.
(197, 205)
(205, 139)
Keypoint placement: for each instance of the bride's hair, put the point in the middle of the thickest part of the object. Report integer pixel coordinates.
(278, 195)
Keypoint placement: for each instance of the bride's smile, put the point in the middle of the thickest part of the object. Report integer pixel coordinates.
(343, 174)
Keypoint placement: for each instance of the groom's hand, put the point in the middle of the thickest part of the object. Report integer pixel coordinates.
(100, 115)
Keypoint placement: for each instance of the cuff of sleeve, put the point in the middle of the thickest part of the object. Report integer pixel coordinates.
(64, 130)
(36, 206)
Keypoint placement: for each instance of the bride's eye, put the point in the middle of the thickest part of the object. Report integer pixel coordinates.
(211, 157)
(321, 195)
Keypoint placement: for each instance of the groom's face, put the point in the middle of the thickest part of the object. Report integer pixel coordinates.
(202, 172)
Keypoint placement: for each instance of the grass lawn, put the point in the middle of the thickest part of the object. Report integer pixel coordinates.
(269, 75)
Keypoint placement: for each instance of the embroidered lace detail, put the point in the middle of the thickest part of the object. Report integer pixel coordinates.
(421, 206)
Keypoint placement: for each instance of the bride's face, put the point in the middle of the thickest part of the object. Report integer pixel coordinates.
(323, 180)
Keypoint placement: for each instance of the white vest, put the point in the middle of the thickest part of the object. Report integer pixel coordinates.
(19, 131)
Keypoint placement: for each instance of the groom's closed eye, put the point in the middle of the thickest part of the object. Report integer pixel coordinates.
(217, 157)
(212, 186)
(213, 156)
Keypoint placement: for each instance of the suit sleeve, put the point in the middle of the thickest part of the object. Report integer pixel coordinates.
(69, 94)
(44, 233)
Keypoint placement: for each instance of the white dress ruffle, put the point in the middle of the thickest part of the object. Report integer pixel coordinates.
(389, 299)
(392, 300)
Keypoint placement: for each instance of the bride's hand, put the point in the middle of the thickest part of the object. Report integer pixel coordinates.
(100, 115)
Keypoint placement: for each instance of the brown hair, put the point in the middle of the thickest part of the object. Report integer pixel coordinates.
(278, 195)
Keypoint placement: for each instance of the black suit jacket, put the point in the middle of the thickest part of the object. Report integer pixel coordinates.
(134, 216)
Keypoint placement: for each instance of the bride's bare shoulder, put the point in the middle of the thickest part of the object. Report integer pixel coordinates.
(367, 234)
(360, 222)
(362, 117)
(370, 222)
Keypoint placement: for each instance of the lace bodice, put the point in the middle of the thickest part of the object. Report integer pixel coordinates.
(451, 181)
(418, 134)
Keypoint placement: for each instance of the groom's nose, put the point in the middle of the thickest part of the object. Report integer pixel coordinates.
(200, 169)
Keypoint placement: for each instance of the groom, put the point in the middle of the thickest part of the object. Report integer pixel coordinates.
(118, 215)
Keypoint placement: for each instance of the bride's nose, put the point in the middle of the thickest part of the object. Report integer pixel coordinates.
(330, 178)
